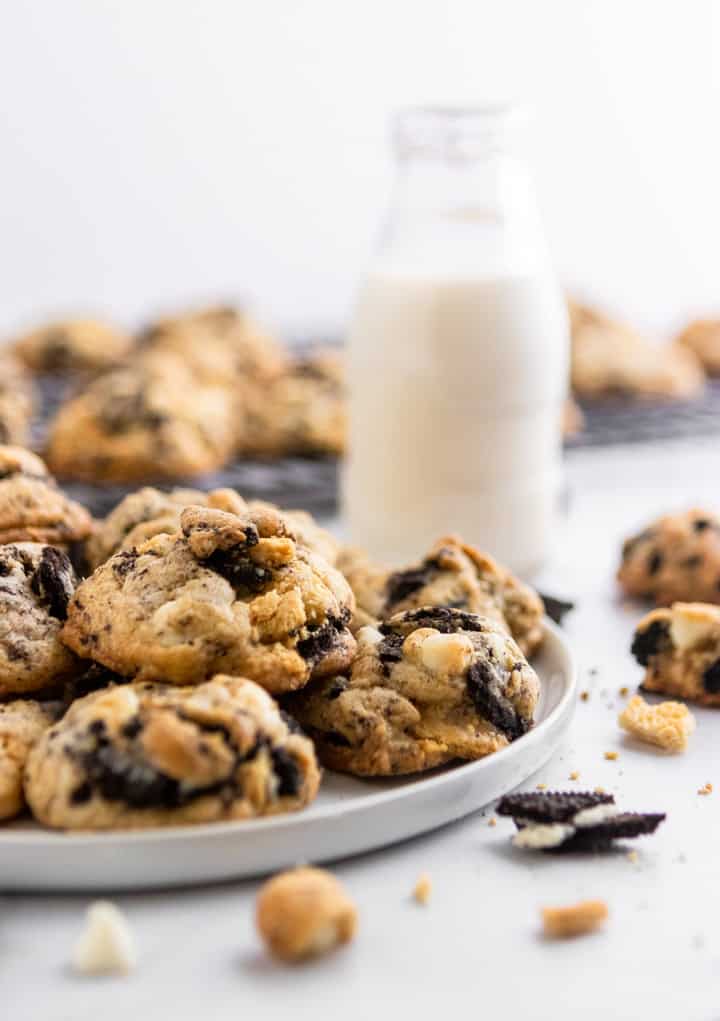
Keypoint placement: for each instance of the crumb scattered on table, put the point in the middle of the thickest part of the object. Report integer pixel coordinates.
(303, 913)
(599, 790)
(541, 787)
(584, 696)
(492, 821)
(624, 692)
(423, 889)
(705, 789)
(632, 856)
(611, 756)
(575, 920)
(575, 775)
(667, 725)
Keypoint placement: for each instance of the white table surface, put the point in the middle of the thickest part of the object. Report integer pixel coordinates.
(476, 947)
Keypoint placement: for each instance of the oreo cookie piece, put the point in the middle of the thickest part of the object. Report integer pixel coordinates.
(564, 821)
(556, 609)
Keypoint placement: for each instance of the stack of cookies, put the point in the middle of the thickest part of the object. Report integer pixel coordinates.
(217, 652)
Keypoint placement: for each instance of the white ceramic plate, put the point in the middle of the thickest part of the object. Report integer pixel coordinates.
(349, 816)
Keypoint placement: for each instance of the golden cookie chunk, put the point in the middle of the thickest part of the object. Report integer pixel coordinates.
(304, 913)
(667, 725)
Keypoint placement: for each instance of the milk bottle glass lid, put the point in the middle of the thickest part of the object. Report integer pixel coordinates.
(458, 134)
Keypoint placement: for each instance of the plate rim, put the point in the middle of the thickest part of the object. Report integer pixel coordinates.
(289, 820)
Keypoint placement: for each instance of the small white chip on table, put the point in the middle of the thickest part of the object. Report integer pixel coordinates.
(477, 941)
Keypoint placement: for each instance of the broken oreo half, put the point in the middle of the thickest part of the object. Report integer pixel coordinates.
(570, 821)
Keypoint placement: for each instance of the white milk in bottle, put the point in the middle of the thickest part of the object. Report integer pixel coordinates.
(458, 354)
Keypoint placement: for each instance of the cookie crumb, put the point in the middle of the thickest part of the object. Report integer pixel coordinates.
(584, 696)
(423, 889)
(575, 920)
(705, 789)
(667, 725)
(611, 756)
(541, 787)
(624, 692)
(575, 775)
(492, 821)
(106, 945)
(632, 856)
(304, 913)
(599, 790)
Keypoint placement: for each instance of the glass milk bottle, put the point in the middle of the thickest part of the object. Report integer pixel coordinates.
(458, 353)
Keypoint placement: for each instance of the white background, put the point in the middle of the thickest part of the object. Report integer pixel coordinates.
(155, 151)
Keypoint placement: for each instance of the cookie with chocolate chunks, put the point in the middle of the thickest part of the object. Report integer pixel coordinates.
(141, 755)
(674, 559)
(679, 646)
(426, 687)
(230, 592)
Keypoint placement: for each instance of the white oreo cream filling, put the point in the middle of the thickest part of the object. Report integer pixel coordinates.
(106, 945)
(539, 836)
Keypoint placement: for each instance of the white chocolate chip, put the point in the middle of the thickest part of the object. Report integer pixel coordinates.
(449, 654)
(369, 636)
(106, 945)
(538, 837)
(691, 624)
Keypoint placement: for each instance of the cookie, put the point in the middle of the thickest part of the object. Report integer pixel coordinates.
(429, 686)
(702, 337)
(36, 583)
(220, 344)
(301, 411)
(228, 593)
(674, 559)
(666, 725)
(21, 724)
(679, 646)
(32, 508)
(155, 755)
(17, 401)
(573, 821)
(148, 512)
(73, 345)
(452, 574)
(151, 421)
(610, 358)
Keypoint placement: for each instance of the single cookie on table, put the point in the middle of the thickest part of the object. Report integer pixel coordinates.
(702, 337)
(609, 357)
(220, 344)
(153, 755)
(229, 593)
(429, 686)
(21, 724)
(73, 345)
(674, 559)
(17, 401)
(36, 583)
(679, 646)
(149, 421)
(149, 512)
(300, 411)
(573, 820)
(452, 574)
(32, 508)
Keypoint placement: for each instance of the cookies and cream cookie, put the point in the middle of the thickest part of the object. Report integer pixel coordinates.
(150, 421)
(32, 508)
(452, 574)
(73, 345)
(21, 724)
(674, 558)
(228, 593)
(679, 646)
(140, 755)
(36, 583)
(427, 686)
